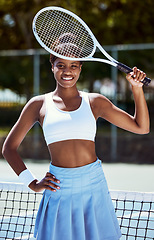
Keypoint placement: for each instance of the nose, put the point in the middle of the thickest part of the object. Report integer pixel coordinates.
(67, 70)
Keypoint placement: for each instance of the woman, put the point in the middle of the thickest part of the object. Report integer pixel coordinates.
(76, 204)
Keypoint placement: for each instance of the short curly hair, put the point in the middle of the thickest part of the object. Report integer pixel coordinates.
(65, 44)
(52, 59)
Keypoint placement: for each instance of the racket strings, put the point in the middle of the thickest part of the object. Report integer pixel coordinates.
(63, 34)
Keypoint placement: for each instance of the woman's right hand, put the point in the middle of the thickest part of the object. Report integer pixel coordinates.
(48, 182)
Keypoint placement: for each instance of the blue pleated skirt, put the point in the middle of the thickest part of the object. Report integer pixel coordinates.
(81, 210)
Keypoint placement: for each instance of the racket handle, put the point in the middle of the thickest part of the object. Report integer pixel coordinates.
(123, 68)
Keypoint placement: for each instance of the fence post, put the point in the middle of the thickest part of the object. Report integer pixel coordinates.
(36, 91)
(114, 77)
(36, 83)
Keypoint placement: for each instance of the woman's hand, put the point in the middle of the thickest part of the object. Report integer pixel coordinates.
(48, 182)
(136, 77)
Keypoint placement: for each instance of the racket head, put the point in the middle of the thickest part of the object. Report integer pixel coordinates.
(63, 34)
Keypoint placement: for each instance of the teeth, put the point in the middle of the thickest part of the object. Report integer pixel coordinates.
(67, 79)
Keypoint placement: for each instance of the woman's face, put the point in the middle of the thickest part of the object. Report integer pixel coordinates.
(66, 72)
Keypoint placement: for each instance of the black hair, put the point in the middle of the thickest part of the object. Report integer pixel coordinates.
(62, 44)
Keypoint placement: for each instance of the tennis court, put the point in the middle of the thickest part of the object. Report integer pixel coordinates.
(127, 177)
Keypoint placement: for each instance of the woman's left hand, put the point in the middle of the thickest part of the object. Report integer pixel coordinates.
(135, 77)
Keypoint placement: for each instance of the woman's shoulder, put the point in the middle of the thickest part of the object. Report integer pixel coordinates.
(34, 108)
(35, 104)
(37, 99)
(96, 98)
(99, 103)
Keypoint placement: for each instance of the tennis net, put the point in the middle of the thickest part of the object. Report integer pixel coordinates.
(19, 205)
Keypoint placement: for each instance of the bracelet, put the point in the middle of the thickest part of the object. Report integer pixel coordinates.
(26, 177)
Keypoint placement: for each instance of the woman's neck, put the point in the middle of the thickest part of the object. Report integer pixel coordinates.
(66, 92)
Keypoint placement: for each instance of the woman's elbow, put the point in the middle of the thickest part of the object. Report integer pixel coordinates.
(6, 150)
(144, 131)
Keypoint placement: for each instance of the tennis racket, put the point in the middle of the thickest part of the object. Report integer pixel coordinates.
(65, 35)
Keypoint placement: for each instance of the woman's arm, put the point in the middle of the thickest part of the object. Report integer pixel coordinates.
(141, 116)
(29, 115)
(26, 120)
(139, 123)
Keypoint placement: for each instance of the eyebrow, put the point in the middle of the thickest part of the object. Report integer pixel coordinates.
(71, 63)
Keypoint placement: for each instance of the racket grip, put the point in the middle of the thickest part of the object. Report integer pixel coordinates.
(123, 68)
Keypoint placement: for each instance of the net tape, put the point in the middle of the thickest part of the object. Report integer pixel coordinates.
(19, 205)
(63, 34)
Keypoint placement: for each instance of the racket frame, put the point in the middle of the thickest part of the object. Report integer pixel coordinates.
(111, 61)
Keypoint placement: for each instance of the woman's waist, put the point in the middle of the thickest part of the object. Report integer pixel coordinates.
(72, 153)
(80, 176)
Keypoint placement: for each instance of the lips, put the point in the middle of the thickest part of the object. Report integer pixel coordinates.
(67, 78)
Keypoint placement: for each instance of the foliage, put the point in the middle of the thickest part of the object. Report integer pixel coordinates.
(17, 74)
(112, 21)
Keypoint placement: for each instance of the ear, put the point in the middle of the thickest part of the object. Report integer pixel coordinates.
(52, 68)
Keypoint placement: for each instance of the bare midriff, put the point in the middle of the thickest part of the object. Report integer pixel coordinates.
(72, 153)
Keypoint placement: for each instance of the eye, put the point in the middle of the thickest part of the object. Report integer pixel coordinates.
(60, 65)
(74, 66)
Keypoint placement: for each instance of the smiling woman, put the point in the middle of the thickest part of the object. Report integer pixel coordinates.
(76, 202)
(66, 72)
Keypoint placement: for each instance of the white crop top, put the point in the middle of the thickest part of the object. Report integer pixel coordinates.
(59, 125)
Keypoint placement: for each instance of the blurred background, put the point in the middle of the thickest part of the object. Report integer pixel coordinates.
(124, 28)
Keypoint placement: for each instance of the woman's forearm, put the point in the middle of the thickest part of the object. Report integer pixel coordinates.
(13, 159)
(141, 115)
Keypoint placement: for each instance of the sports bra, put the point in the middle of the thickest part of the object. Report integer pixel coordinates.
(59, 125)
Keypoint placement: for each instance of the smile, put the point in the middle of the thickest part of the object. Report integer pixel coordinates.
(67, 78)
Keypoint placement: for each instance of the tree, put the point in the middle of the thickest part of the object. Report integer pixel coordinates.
(111, 21)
